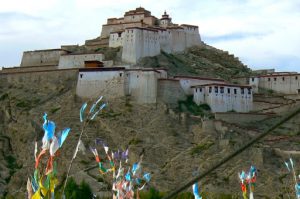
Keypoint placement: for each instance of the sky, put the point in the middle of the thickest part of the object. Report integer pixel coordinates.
(262, 33)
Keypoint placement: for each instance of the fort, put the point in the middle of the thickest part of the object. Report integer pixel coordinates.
(138, 35)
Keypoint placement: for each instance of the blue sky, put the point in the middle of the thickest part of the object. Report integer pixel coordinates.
(263, 34)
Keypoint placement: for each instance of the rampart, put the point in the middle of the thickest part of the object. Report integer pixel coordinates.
(42, 57)
(170, 91)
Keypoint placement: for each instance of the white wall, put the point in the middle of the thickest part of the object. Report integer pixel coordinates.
(226, 101)
(142, 85)
(116, 39)
(96, 83)
(77, 61)
(139, 43)
(253, 82)
(186, 83)
(286, 84)
(42, 57)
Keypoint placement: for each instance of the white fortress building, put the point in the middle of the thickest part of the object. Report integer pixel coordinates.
(141, 35)
(286, 83)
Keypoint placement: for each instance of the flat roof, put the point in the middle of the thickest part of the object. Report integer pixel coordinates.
(97, 53)
(150, 29)
(101, 69)
(199, 78)
(280, 75)
(46, 50)
(218, 84)
(168, 79)
(189, 25)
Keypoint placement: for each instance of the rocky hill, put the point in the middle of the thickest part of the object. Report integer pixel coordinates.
(177, 143)
(203, 60)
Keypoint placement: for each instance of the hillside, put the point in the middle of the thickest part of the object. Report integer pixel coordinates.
(204, 60)
(176, 144)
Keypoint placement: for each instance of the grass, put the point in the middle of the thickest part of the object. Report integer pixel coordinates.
(201, 147)
(4, 96)
(134, 141)
(12, 165)
(54, 110)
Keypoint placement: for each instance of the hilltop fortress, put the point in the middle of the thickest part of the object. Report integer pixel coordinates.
(137, 35)
(141, 35)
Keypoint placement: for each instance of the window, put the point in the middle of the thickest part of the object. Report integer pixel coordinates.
(216, 89)
(120, 74)
(275, 78)
(200, 90)
(282, 78)
(242, 91)
(296, 77)
(234, 91)
(252, 79)
(81, 75)
(228, 90)
(196, 90)
(209, 89)
(269, 79)
(249, 91)
(222, 90)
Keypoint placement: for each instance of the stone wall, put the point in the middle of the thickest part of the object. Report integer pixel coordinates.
(242, 117)
(77, 60)
(92, 84)
(42, 57)
(28, 69)
(170, 91)
(49, 78)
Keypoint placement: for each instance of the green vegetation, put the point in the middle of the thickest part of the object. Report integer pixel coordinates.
(4, 96)
(201, 147)
(134, 141)
(190, 106)
(54, 110)
(12, 165)
(75, 191)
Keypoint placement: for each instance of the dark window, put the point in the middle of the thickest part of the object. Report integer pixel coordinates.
(253, 79)
(228, 90)
(200, 89)
(216, 89)
(222, 90)
(282, 78)
(234, 91)
(269, 79)
(275, 78)
(196, 90)
(296, 77)
(242, 91)
(121, 74)
(137, 76)
(249, 91)
(209, 89)
(81, 75)
(119, 34)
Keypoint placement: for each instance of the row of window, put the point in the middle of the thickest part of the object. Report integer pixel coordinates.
(222, 90)
(275, 78)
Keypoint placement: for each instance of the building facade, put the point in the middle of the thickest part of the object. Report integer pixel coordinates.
(187, 82)
(285, 83)
(224, 97)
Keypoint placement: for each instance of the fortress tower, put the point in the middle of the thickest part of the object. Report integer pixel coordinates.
(140, 35)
